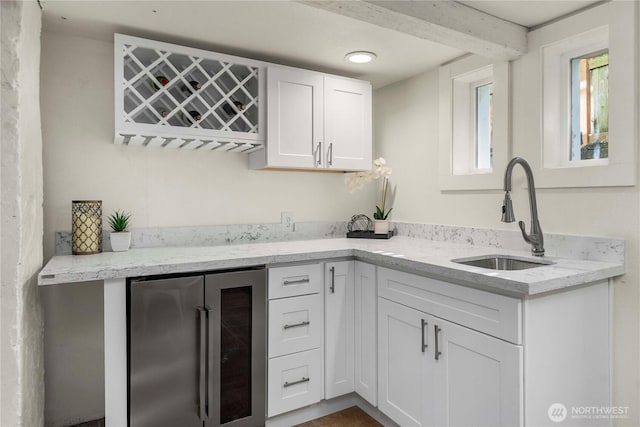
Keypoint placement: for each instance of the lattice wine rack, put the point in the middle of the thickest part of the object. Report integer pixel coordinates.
(177, 97)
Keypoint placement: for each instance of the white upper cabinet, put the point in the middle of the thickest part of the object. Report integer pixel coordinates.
(347, 124)
(316, 121)
(295, 130)
(178, 97)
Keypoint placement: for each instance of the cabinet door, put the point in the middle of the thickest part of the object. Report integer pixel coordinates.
(478, 378)
(347, 132)
(339, 334)
(405, 369)
(294, 127)
(365, 332)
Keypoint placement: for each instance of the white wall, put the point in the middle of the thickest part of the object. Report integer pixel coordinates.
(406, 129)
(159, 187)
(21, 354)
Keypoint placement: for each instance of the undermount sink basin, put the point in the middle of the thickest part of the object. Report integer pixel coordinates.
(502, 262)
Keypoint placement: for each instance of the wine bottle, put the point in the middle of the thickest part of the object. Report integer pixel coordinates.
(229, 109)
(193, 117)
(160, 79)
(191, 87)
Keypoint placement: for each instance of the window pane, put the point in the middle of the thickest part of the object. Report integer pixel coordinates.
(590, 107)
(484, 126)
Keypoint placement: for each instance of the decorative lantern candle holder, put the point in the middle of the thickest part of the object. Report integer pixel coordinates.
(86, 225)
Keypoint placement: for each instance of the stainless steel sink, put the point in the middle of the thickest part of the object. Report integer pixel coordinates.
(502, 262)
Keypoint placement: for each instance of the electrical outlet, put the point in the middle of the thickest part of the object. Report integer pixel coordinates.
(286, 219)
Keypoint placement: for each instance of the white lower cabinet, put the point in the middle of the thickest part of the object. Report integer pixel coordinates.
(476, 377)
(405, 369)
(338, 328)
(365, 332)
(432, 353)
(296, 328)
(433, 372)
(295, 381)
(449, 355)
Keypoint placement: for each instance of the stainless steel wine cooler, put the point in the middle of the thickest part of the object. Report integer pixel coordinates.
(196, 350)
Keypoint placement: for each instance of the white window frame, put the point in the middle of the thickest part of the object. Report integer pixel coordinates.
(457, 134)
(620, 19)
(556, 59)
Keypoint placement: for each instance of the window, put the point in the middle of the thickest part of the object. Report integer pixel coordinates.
(484, 125)
(474, 117)
(589, 90)
(590, 107)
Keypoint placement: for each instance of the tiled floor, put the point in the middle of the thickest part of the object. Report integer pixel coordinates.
(94, 423)
(350, 417)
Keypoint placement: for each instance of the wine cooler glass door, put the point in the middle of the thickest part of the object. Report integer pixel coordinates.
(237, 361)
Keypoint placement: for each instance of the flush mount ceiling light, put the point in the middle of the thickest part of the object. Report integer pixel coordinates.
(360, 57)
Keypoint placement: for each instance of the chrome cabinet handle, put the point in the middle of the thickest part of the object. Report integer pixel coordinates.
(437, 330)
(300, 381)
(295, 282)
(424, 339)
(333, 280)
(202, 408)
(319, 151)
(295, 325)
(330, 154)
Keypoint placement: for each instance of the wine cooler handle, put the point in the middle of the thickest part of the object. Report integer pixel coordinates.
(437, 352)
(210, 331)
(202, 406)
(333, 280)
(424, 338)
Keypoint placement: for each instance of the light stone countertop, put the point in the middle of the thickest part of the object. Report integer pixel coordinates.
(420, 256)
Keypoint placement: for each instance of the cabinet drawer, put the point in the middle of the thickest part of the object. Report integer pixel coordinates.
(295, 280)
(294, 381)
(493, 314)
(295, 324)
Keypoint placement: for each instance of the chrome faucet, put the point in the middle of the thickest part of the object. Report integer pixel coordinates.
(534, 238)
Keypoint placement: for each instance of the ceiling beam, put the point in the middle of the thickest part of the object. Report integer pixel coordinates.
(446, 22)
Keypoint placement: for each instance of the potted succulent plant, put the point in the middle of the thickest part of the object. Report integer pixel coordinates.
(120, 237)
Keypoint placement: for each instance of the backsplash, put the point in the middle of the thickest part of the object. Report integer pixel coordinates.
(215, 235)
(560, 245)
(604, 249)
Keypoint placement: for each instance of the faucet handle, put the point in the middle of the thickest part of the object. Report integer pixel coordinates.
(524, 232)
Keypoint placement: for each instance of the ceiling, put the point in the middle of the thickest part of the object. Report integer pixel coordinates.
(529, 13)
(282, 32)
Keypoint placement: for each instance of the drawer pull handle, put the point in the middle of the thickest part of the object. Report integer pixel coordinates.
(436, 330)
(295, 325)
(295, 282)
(303, 380)
(333, 280)
(424, 340)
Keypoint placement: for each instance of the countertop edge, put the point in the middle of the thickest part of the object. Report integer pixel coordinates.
(455, 274)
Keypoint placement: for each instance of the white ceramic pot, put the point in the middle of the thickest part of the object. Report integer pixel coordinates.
(381, 226)
(120, 242)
